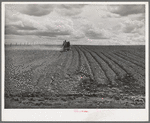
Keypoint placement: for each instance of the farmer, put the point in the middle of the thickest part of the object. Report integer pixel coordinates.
(64, 42)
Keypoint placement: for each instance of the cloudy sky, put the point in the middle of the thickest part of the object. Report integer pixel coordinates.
(78, 23)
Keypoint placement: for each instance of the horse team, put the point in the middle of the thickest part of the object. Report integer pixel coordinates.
(66, 45)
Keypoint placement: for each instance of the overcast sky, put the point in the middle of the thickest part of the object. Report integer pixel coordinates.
(77, 23)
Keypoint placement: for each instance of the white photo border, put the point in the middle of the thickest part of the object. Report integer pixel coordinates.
(69, 114)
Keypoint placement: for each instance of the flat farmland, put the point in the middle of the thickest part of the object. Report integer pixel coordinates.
(84, 77)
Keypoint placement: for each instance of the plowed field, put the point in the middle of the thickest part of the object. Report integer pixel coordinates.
(84, 77)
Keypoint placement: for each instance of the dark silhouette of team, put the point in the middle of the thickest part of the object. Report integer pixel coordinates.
(66, 45)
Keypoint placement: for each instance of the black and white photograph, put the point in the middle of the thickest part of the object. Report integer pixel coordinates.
(75, 55)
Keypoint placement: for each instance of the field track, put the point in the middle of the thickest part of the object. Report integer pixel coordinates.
(82, 71)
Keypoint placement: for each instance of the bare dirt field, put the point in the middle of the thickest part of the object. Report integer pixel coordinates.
(84, 77)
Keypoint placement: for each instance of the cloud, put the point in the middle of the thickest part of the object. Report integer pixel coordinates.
(69, 9)
(18, 30)
(124, 10)
(110, 15)
(25, 28)
(136, 39)
(139, 17)
(10, 30)
(13, 30)
(96, 34)
(72, 6)
(132, 26)
(37, 9)
(75, 22)
(51, 34)
(27, 25)
(93, 32)
(20, 27)
(130, 32)
(77, 34)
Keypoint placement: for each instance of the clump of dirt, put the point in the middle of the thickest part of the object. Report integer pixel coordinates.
(129, 84)
(87, 85)
(126, 82)
(127, 79)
